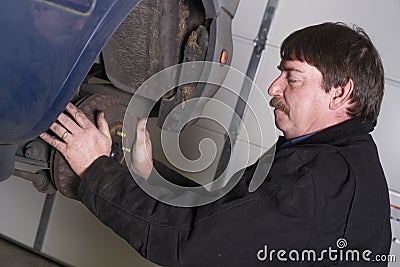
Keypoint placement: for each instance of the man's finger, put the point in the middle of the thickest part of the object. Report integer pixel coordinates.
(147, 136)
(142, 124)
(141, 131)
(142, 155)
(79, 116)
(59, 130)
(68, 123)
(54, 142)
(103, 125)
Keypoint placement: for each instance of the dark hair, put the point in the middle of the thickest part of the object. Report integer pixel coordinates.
(341, 53)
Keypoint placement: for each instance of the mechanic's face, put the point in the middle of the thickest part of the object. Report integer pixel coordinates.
(300, 102)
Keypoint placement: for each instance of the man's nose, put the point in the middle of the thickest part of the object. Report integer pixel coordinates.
(276, 87)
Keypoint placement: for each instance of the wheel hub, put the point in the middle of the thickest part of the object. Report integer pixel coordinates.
(66, 181)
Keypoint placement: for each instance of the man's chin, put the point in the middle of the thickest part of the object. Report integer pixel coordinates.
(280, 115)
(279, 111)
(281, 119)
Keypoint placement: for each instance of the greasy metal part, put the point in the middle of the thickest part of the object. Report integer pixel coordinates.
(33, 162)
(197, 45)
(219, 40)
(132, 53)
(36, 150)
(91, 89)
(159, 34)
(40, 180)
(66, 181)
(116, 147)
(151, 38)
(168, 33)
(259, 46)
(195, 50)
(44, 185)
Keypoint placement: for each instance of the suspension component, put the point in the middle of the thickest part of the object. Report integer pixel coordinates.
(41, 180)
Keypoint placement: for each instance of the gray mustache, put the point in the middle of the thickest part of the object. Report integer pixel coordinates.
(278, 103)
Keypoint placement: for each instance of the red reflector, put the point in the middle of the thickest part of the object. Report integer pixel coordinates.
(224, 57)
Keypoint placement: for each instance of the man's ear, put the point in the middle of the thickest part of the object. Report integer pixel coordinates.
(340, 95)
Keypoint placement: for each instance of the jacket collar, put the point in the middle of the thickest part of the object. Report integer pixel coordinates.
(337, 134)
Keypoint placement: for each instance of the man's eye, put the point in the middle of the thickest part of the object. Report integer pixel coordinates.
(292, 81)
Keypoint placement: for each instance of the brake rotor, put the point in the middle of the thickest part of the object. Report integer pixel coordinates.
(66, 181)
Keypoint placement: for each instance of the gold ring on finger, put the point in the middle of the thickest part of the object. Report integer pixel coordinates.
(64, 135)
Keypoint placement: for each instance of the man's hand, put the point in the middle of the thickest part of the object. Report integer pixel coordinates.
(80, 141)
(142, 154)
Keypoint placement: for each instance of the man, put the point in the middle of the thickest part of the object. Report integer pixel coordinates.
(325, 193)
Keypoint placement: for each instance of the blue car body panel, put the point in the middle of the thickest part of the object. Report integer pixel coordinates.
(47, 49)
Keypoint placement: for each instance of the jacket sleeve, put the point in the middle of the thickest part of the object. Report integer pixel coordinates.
(111, 194)
(171, 176)
(165, 234)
